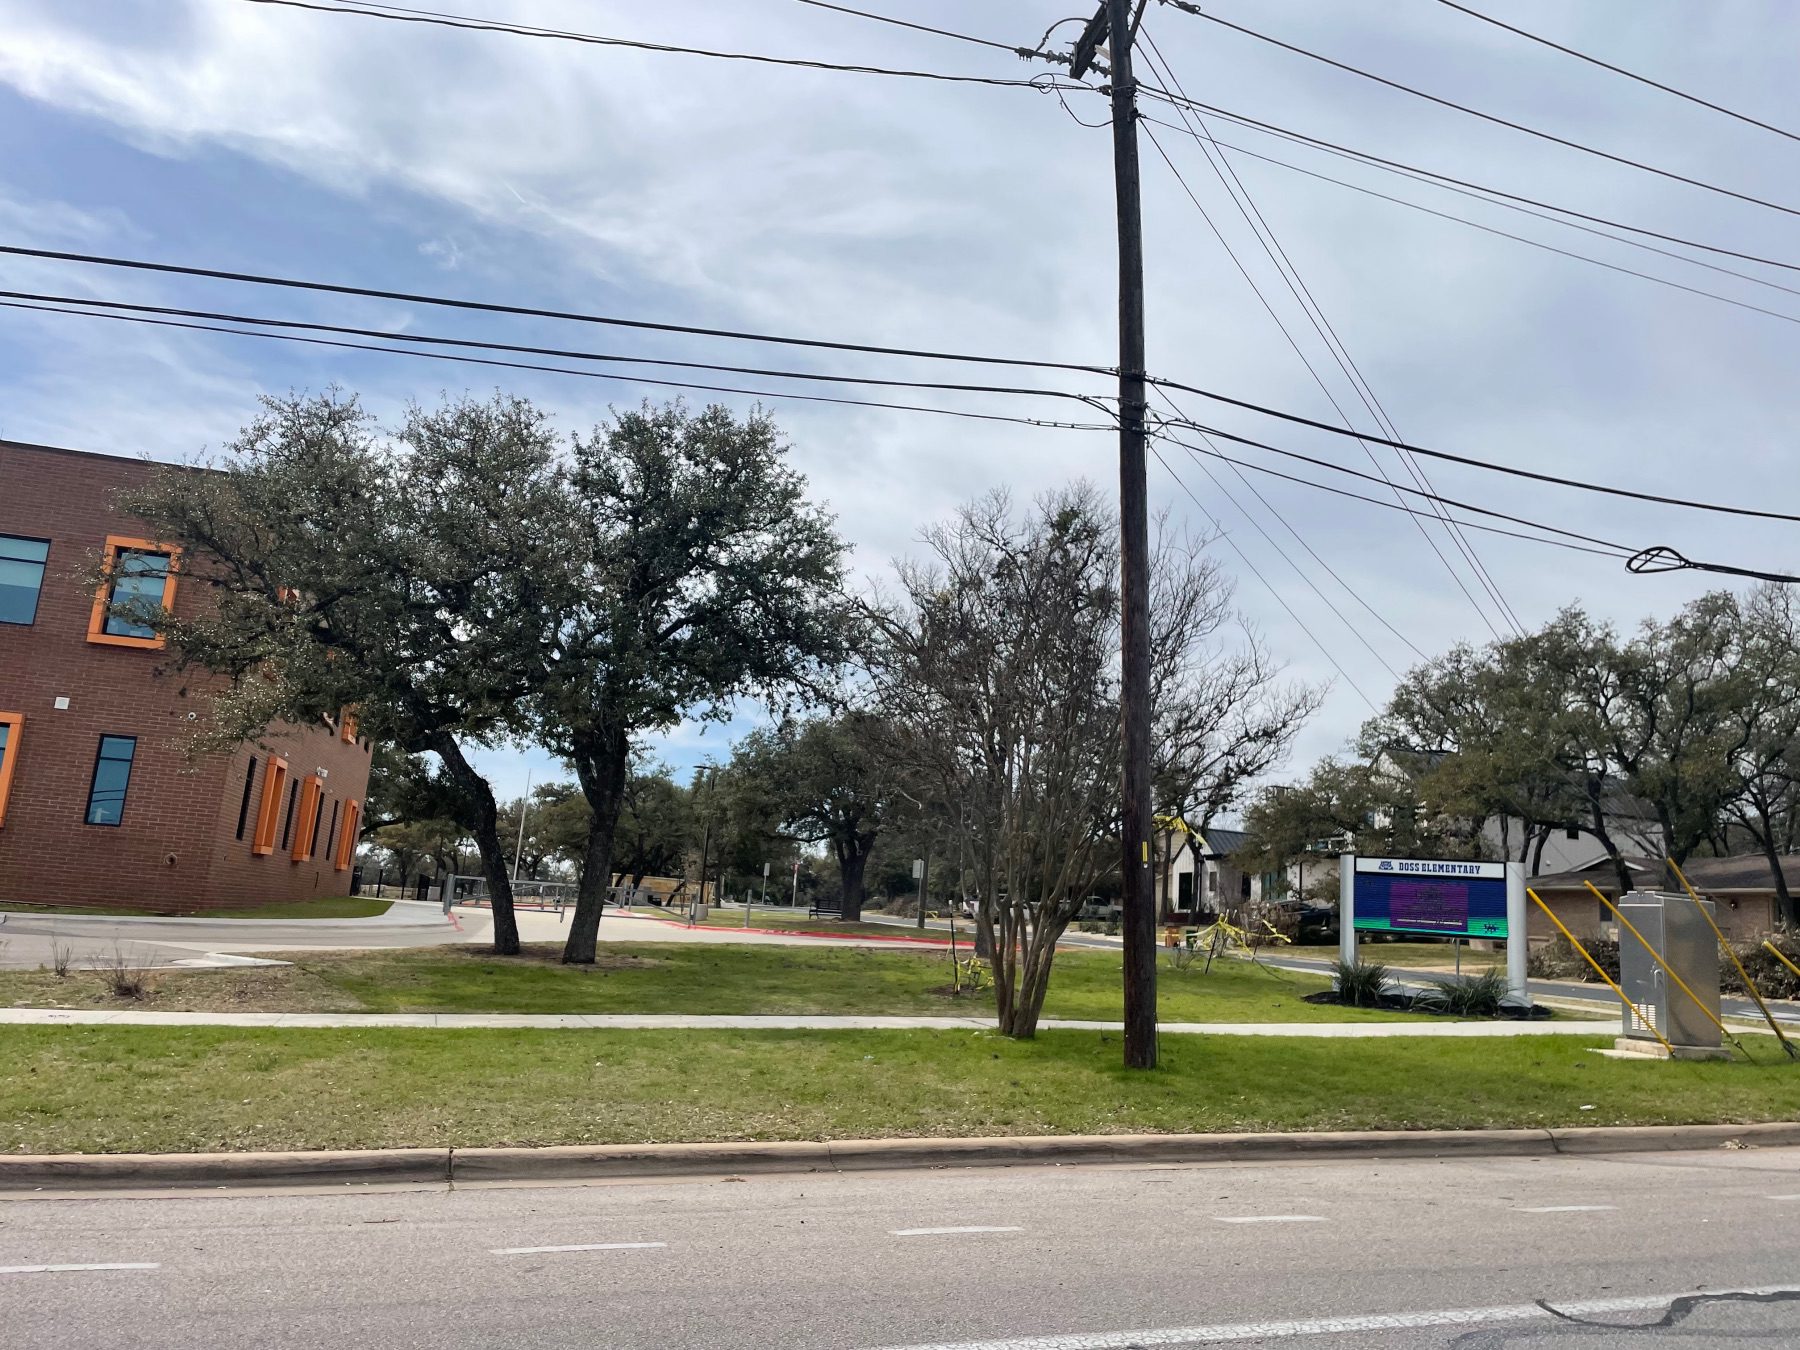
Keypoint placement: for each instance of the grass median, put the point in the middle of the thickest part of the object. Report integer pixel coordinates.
(646, 977)
(196, 1089)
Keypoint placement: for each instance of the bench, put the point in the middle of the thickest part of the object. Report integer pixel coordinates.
(826, 909)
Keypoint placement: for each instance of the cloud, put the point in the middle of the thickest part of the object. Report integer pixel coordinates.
(956, 218)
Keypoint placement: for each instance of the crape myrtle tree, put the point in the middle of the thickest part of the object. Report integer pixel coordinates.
(701, 576)
(998, 670)
(403, 575)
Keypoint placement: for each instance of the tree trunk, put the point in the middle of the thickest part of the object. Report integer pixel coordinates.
(484, 820)
(853, 858)
(1537, 854)
(1784, 900)
(600, 760)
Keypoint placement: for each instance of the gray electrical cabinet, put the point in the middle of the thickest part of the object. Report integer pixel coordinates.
(1685, 940)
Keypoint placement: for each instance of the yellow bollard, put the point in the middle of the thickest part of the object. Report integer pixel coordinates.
(1642, 1016)
(1667, 969)
(1743, 974)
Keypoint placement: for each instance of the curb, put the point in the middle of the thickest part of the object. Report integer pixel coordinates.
(609, 1162)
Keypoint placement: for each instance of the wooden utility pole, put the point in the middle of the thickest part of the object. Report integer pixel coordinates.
(1115, 25)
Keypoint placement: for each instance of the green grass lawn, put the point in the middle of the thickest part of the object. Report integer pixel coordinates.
(340, 907)
(684, 978)
(131, 1089)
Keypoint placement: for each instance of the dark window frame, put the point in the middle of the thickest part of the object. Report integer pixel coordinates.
(101, 757)
(318, 821)
(331, 835)
(43, 566)
(287, 828)
(249, 792)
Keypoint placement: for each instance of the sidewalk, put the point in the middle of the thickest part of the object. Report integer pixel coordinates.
(657, 1021)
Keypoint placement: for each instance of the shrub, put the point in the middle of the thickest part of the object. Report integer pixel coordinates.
(125, 977)
(62, 956)
(1112, 928)
(1471, 996)
(1772, 978)
(1088, 926)
(1361, 984)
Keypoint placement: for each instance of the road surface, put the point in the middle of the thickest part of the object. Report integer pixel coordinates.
(1378, 1255)
(28, 941)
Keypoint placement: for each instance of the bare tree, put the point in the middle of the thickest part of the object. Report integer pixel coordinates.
(998, 673)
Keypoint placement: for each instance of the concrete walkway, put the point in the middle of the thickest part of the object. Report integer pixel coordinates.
(657, 1021)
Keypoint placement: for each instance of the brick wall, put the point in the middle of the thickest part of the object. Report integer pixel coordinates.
(176, 846)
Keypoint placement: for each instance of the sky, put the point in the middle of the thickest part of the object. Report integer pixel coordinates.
(974, 218)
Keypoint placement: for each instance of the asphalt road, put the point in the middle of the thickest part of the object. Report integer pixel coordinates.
(1563, 1253)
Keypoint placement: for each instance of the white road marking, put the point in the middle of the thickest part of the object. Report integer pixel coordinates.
(1268, 1218)
(1781, 1197)
(577, 1247)
(937, 1232)
(1561, 1209)
(106, 1265)
(1316, 1326)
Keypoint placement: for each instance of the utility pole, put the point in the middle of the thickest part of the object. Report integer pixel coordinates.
(1115, 25)
(923, 867)
(705, 850)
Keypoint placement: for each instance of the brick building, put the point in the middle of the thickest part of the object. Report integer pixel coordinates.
(99, 802)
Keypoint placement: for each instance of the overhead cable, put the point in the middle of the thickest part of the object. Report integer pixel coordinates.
(1494, 118)
(1400, 166)
(1620, 70)
(530, 311)
(442, 19)
(777, 394)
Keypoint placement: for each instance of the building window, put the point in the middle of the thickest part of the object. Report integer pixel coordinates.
(306, 839)
(141, 579)
(112, 776)
(1212, 882)
(331, 834)
(11, 728)
(268, 814)
(1184, 891)
(318, 824)
(287, 825)
(1572, 832)
(21, 577)
(244, 806)
(346, 849)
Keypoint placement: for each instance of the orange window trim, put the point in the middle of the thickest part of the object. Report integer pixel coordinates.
(347, 726)
(347, 840)
(268, 814)
(15, 723)
(312, 795)
(115, 545)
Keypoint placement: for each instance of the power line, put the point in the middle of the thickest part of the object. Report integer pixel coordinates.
(1023, 53)
(100, 260)
(1400, 166)
(572, 316)
(1301, 540)
(1619, 550)
(552, 370)
(389, 335)
(1186, 7)
(1267, 584)
(1473, 463)
(1620, 70)
(1317, 379)
(471, 23)
(1526, 239)
(1315, 314)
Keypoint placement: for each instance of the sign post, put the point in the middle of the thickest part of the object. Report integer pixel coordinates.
(1445, 897)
